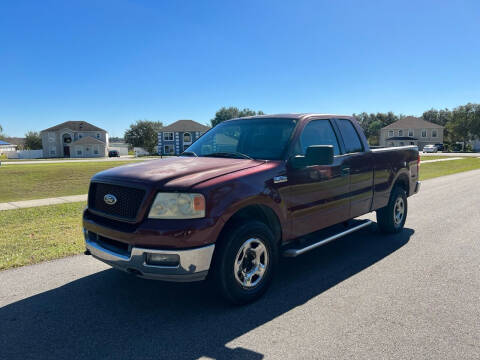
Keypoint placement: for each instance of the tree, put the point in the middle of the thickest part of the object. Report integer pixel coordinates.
(33, 141)
(372, 123)
(115, 139)
(144, 134)
(232, 113)
(464, 122)
(440, 117)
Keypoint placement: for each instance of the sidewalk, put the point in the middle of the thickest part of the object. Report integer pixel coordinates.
(439, 153)
(32, 162)
(437, 160)
(42, 202)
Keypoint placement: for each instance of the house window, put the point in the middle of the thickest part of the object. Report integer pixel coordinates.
(185, 147)
(434, 133)
(95, 149)
(412, 143)
(390, 133)
(80, 136)
(78, 150)
(168, 149)
(98, 136)
(187, 138)
(400, 132)
(53, 151)
(402, 143)
(424, 133)
(168, 136)
(410, 132)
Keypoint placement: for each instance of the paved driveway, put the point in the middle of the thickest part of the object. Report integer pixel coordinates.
(412, 295)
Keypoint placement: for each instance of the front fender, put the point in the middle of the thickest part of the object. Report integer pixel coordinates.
(233, 192)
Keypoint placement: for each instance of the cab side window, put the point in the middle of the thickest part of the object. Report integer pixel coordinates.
(318, 132)
(350, 136)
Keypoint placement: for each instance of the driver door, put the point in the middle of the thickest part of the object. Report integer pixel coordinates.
(318, 195)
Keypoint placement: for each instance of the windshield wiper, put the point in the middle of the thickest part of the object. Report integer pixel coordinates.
(230, 154)
(188, 153)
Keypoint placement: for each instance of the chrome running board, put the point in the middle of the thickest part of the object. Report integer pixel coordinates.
(296, 252)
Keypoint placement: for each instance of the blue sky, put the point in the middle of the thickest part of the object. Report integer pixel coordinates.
(113, 62)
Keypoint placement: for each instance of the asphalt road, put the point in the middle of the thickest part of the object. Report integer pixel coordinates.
(414, 295)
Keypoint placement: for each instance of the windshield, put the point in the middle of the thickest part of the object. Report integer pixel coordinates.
(248, 138)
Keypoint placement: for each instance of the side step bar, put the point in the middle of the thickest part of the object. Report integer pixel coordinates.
(296, 252)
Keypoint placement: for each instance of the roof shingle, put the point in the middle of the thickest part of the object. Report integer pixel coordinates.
(75, 126)
(185, 125)
(411, 122)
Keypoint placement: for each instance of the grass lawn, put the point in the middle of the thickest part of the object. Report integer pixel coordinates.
(432, 170)
(29, 236)
(36, 181)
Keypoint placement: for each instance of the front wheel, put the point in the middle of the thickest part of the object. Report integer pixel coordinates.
(244, 262)
(391, 218)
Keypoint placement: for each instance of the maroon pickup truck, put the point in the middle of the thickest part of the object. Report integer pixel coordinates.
(245, 193)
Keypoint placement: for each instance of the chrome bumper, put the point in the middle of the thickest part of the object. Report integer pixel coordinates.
(193, 264)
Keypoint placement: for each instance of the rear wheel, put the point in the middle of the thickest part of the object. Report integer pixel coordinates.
(244, 262)
(391, 218)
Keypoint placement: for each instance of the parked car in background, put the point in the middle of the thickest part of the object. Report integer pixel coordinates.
(113, 153)
(248, 191)
(430, 149)
(440, 147)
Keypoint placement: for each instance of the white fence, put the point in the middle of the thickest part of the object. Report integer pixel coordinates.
(24, 154)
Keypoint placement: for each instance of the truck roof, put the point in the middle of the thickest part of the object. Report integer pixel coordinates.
(297, 116)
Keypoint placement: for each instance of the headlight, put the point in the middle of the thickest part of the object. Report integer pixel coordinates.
(177, 206)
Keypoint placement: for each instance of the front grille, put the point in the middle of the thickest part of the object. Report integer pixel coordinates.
(128, 200)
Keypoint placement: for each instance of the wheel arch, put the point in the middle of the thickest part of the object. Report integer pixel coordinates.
(403, 182)
(258, 212)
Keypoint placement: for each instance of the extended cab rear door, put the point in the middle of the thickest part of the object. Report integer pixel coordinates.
(358, 162)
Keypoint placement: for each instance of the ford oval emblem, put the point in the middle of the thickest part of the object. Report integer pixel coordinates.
(110, 199)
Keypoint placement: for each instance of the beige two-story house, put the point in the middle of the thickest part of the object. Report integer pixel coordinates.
(74, 139)
(411, 131)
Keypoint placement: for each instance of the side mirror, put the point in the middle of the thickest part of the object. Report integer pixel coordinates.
(319, 155)
(316, 155)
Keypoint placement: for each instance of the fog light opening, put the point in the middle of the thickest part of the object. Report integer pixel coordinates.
(171, 260)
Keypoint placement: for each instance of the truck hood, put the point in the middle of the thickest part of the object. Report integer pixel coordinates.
(175, 172)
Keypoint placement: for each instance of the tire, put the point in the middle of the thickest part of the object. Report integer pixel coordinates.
(241, 241)
(388, 218)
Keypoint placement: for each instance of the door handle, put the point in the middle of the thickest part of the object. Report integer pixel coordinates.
(345, 171)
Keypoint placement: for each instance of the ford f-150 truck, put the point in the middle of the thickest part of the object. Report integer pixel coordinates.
(246, 192)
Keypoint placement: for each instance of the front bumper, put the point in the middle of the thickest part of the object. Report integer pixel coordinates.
(193, 263)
